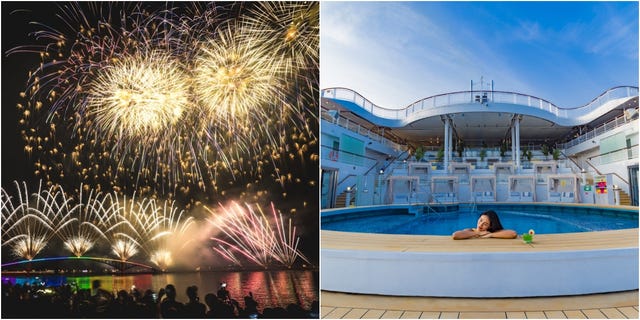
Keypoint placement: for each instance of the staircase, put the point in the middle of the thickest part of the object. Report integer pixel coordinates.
(341, 200)
(625, 199)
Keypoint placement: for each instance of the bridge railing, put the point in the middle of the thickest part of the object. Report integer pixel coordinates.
(461, 97)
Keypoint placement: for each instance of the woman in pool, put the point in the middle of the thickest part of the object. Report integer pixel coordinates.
(489, 226)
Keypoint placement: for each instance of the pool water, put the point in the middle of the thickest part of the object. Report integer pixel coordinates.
(445, 223)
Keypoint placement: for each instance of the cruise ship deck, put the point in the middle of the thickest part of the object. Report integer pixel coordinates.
(468, 148)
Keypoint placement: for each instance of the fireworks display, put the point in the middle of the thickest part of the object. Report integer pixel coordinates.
(140, 229)
(253, 236)
(147, 99)
(156, 110)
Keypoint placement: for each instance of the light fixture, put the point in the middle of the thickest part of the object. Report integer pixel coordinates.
(381, 171)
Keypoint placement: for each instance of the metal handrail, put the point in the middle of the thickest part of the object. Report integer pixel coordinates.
(602, 174)
(606, 127)
(459, 97)
(613, 173)
(356, 128)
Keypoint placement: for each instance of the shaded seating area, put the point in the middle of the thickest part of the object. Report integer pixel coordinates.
(563, 188)
(402, 189)
(522, 189)
(461, 171)
(483, 188)
(542, 170)
(444, 189)
(503, 171)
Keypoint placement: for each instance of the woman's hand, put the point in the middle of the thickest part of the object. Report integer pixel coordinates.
(479, 233)
(486, 235)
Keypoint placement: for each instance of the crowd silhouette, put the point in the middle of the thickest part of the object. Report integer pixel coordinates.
(35, 301)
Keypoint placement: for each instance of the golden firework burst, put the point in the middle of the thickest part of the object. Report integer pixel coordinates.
(232, 78)
(139, 95)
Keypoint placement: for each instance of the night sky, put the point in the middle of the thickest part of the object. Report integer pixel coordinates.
(16, 165)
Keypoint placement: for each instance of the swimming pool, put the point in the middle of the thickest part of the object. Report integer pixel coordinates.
(582, 260)
(543, 219)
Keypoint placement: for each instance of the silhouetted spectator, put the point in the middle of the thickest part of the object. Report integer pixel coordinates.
(123, 306)
(170, 308)
(250, 308)
(100, 299)
(315, 310)
(223, 293)
(194, 308)
(149, 305)
(296, 312)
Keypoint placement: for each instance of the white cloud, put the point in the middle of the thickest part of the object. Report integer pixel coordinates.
(394, 54)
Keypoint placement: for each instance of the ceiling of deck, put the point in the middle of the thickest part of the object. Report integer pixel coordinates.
(477, 128)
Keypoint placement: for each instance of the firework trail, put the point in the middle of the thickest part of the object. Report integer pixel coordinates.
(140, 101)
(79, 225)
(171, 98)
(172, 236)
(140, 227)
(133, 225)
(289, 29)
(26, 228)
(285, 248)
(251, 235)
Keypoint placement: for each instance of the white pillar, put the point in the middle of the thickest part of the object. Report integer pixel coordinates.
(446, 144)
(450, 140)
(513, 144)
(517, 142)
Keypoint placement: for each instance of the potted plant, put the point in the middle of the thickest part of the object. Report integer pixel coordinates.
(460, 148)
(440, 155)
(545, 151)
(503, 149)
(483, 154)
(419, 153)
(556, 154)
(523, 154)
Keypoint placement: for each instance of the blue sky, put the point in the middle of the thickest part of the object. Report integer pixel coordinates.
(395, 53)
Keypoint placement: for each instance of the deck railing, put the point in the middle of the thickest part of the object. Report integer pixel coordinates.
(354, 127)
(608, 126)
(461, 97)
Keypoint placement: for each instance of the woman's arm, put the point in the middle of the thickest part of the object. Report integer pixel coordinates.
(468, 233)
(502, 234)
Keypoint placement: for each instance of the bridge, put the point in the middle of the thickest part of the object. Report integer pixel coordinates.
(115, 263)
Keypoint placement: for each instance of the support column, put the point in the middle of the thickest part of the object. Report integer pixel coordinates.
(446, 143)
(513, 145)
(450, 150)
(517, 142)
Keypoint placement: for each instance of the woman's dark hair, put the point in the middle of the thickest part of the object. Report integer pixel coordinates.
(494, 221)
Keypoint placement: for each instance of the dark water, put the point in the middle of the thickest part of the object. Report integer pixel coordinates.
(269, 288)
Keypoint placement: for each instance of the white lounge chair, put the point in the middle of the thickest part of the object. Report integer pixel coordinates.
(567, 197)
(400, 198)
(554, 196)
(439, 197)
(526, 197)
(514, 197)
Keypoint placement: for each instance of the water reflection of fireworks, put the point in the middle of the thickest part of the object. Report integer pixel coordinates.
(251, 235)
